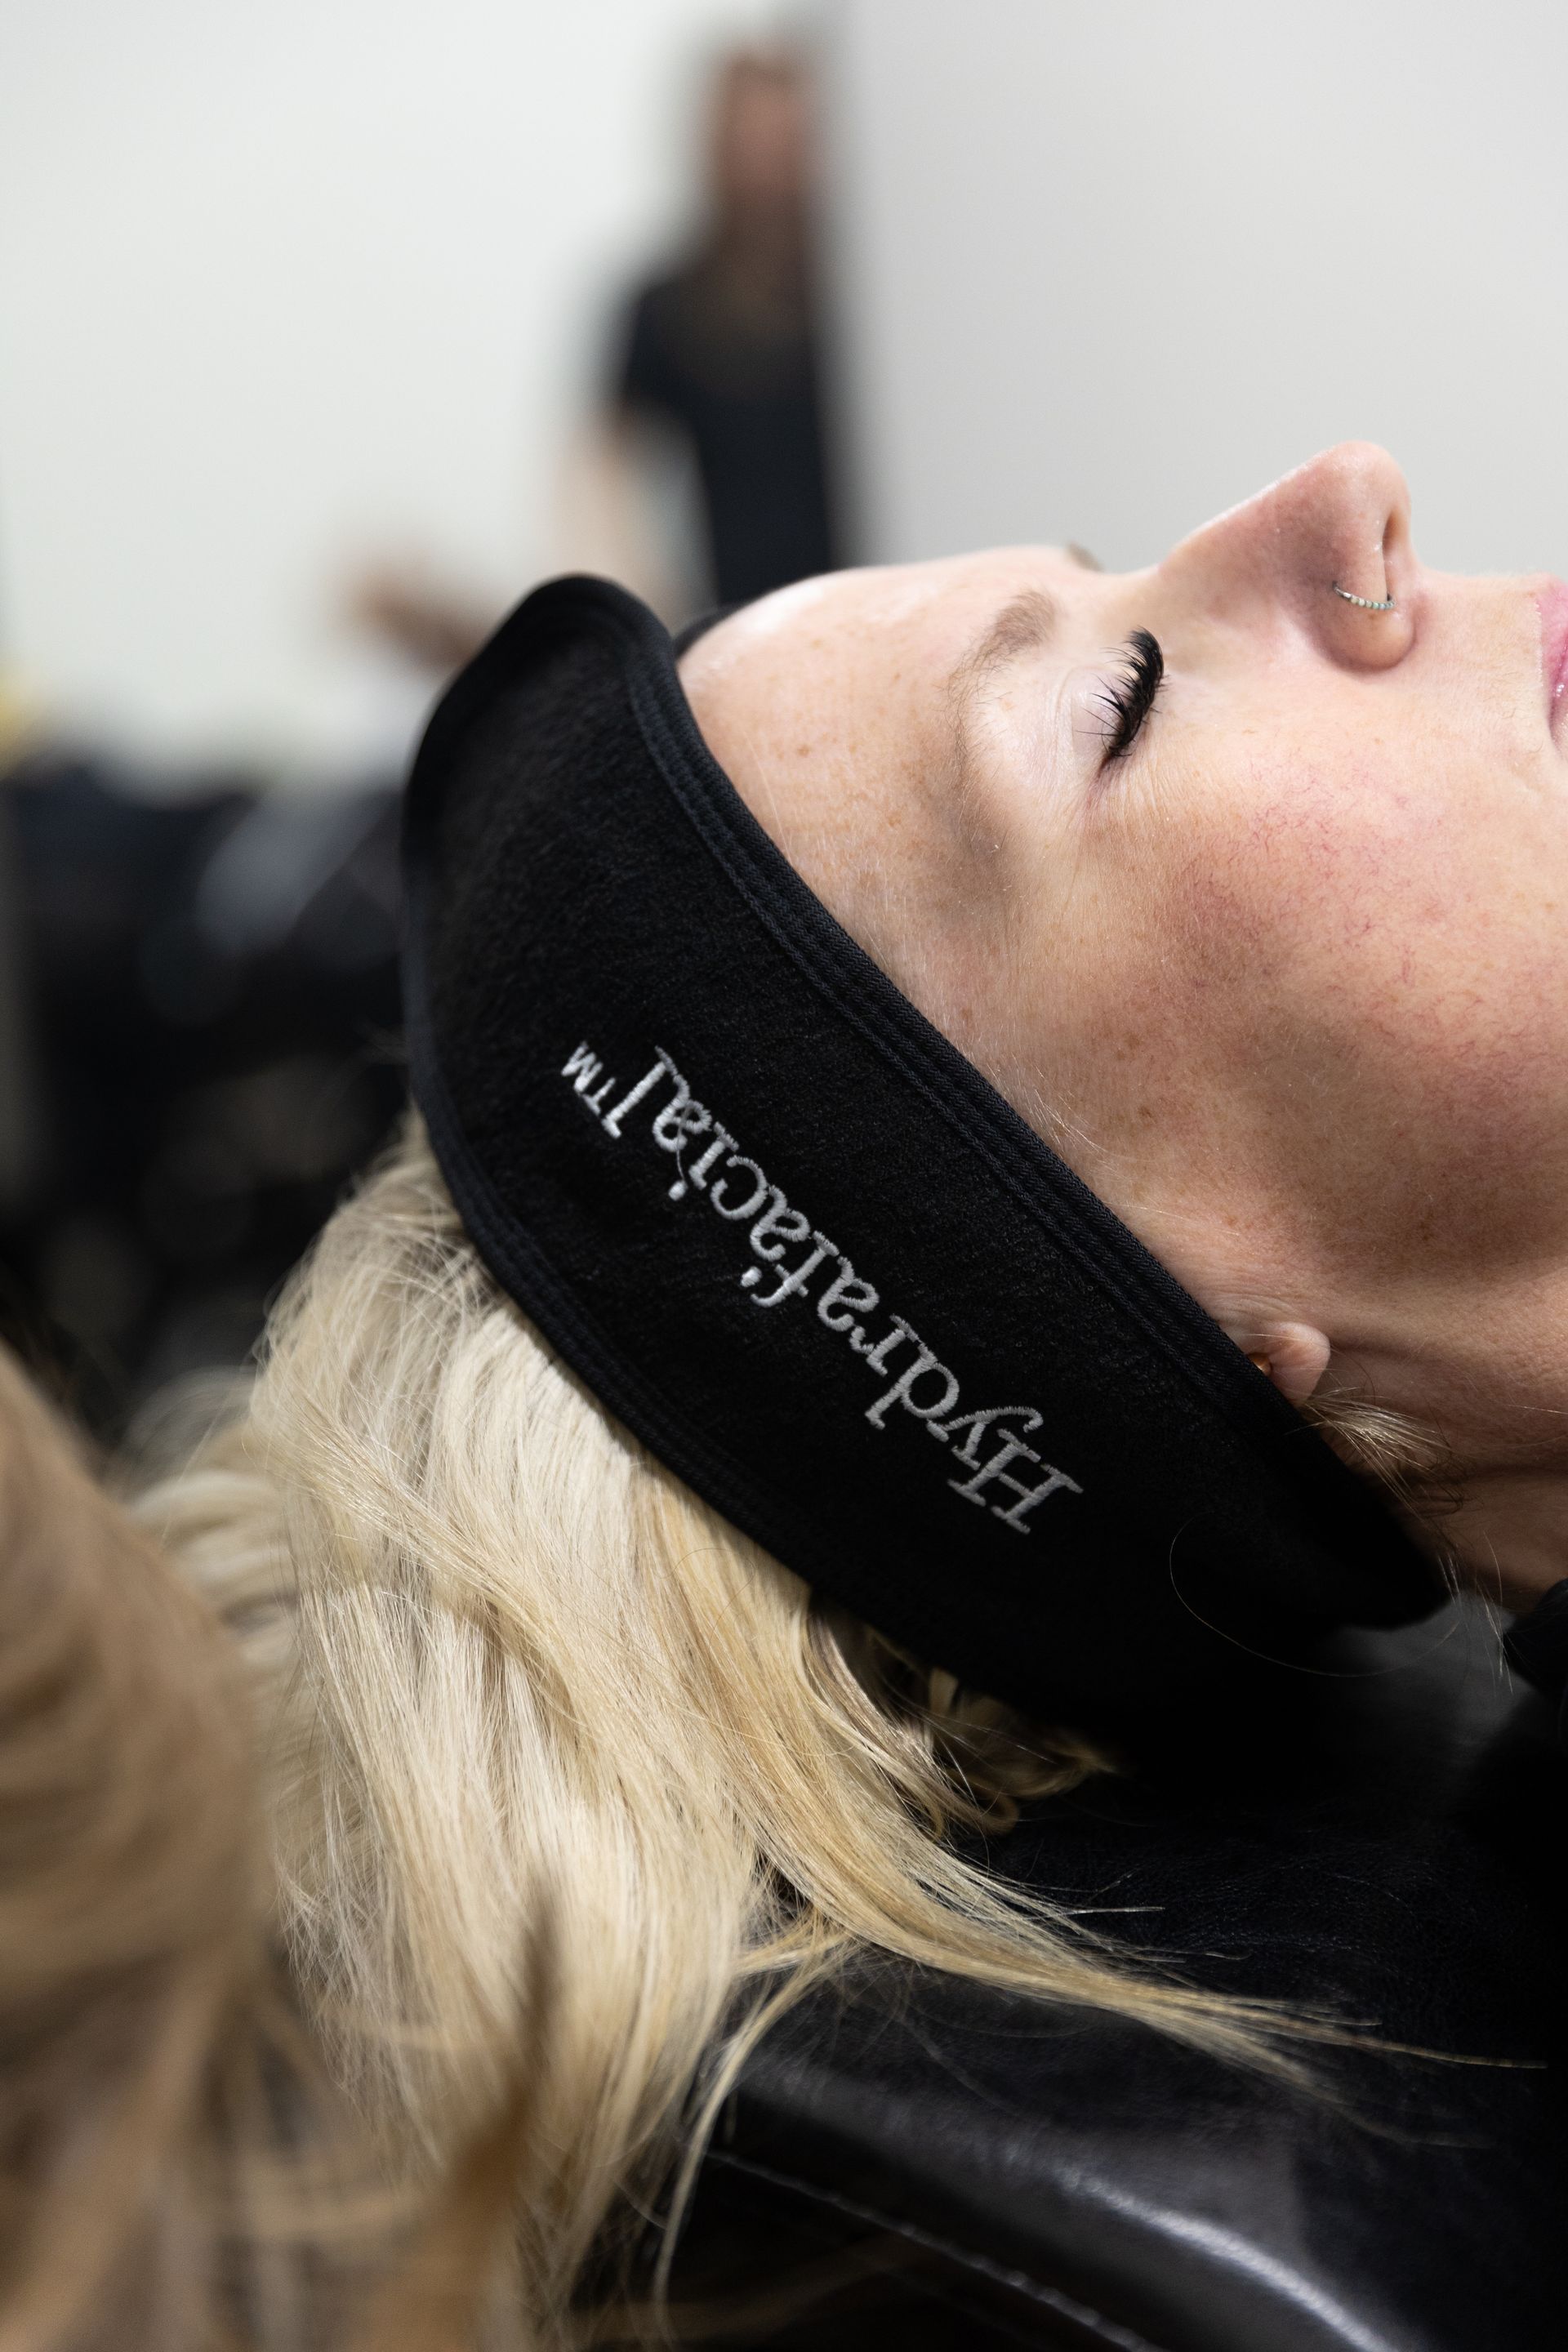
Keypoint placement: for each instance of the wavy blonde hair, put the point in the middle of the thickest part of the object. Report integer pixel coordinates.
(511, 1672)
(129, 1906)
(177, 2171)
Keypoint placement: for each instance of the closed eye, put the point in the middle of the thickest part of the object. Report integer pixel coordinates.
(1129, 697)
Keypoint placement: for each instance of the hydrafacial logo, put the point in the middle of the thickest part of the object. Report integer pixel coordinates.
(1003, 1474)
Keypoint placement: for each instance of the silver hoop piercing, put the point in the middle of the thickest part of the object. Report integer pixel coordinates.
(1367, 603)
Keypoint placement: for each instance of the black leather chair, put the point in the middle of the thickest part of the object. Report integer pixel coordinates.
(203, 995)
(917, 2163)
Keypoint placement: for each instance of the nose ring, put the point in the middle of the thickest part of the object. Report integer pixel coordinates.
(1367, 603)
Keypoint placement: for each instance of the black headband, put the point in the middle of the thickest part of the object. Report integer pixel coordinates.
(798, 1245)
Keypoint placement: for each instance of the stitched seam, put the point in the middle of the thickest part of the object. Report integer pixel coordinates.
(986, 2265)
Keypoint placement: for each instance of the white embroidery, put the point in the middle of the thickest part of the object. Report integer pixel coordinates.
(779, 1218)
(977, 1424)
(627, 1102)
(921, 1386)
(1013, 1449)
(747, 1208)
(789, 1283)
(583, 1068)
(848, 1285)
(903, 1389)
(673, 1129)
(722, 1142)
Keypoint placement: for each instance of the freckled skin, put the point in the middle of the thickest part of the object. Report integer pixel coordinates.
(1288, 984)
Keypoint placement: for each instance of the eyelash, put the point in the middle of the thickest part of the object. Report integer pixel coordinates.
(1128, 702)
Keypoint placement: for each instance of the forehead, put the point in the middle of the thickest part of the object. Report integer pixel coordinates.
(844, 708)
(882, 644)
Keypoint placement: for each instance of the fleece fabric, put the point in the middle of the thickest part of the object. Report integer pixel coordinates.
(800, 1247)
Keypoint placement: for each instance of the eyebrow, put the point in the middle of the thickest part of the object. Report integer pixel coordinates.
(1022, 627)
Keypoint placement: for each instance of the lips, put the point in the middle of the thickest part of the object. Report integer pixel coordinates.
(1551, 598)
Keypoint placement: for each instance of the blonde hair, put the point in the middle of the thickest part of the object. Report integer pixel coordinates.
(126, 1898)
(510, 1672)
(176, 2172)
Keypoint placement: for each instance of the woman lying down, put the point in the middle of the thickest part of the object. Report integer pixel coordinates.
(918, 1107)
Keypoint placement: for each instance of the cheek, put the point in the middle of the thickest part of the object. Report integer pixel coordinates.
(1345, 992)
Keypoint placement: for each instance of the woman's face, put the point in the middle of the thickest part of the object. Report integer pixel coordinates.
(1284, 975)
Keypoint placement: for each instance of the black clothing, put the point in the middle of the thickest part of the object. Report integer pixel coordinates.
(748, 400)
(1536, 1648)
(928, 2165)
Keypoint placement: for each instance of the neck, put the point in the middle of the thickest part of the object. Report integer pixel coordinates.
(1488, 1374)
(1507, 1533)
(1453, 1392)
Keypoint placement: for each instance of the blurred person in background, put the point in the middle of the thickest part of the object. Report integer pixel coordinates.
(198, 1000)
(726, 349)
(706, 473)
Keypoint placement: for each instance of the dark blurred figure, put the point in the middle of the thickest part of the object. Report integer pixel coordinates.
(200, 1049)
(715, 364)
(725, 348)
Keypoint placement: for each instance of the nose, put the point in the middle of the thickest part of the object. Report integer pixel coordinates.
(1337, 528)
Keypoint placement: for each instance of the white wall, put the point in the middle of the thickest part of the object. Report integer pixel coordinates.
(1112, 268)
(287, 281)
(283, 282)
